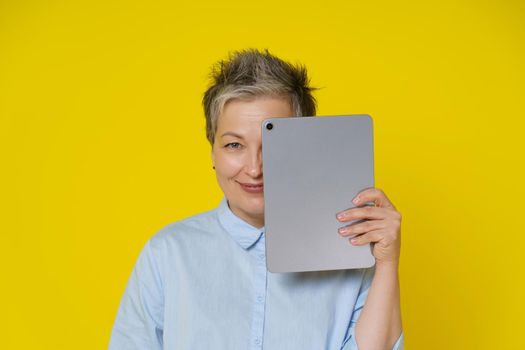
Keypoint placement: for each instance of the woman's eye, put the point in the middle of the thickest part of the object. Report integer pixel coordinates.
(233, 145)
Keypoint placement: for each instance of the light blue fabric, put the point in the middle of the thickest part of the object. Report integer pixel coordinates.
(202, 283)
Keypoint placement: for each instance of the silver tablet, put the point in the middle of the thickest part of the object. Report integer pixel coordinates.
(313, 167)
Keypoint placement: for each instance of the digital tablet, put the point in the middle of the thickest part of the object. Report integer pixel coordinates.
(313, 167)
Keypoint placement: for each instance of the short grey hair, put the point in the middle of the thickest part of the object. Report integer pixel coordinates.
(252, 73)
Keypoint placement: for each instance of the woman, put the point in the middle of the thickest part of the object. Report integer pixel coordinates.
(202, 283)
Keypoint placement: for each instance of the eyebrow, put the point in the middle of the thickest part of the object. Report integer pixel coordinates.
(230, 133)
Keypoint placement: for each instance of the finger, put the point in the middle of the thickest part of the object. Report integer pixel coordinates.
(375, 195)
(371, 237)
(364, 227)
(375, 213)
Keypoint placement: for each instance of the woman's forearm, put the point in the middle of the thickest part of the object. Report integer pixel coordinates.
(379, 325)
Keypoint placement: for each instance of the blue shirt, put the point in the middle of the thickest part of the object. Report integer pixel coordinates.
(202, 283)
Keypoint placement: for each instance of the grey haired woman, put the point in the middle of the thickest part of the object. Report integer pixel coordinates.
(202, 283)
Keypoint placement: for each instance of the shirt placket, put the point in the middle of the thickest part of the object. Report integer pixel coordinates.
(257, 332)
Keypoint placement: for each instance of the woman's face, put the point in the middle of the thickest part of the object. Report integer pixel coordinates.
(237, 153)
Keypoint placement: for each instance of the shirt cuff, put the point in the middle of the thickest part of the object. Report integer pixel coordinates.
(352, 345)
(400, 343)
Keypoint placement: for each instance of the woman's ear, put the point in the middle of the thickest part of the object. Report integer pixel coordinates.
(212, 158)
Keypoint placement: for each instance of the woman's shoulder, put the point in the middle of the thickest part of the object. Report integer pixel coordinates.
(191, 227)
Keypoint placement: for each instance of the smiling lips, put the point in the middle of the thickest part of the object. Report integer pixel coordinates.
(252, 188)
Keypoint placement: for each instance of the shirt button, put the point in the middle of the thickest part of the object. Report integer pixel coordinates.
(261, 256)
(257, 341)
(260, 299)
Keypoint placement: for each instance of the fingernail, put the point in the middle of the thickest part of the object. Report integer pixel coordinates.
(353, 240)
(340, 216)
(356, 200)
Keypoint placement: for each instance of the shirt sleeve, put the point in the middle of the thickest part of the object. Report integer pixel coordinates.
(139, 320)
(350, 342)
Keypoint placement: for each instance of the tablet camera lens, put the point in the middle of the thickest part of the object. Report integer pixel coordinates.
(269, 126)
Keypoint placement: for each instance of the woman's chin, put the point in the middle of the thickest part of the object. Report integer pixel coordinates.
(257, 212)
(255, 208)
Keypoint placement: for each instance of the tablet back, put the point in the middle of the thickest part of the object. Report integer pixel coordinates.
(313, 167)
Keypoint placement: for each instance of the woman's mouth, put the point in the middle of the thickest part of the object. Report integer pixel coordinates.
(252, 187)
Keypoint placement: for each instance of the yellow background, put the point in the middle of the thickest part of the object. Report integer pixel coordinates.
(102, 144)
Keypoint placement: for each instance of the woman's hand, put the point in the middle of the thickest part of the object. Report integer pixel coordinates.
(382, 226)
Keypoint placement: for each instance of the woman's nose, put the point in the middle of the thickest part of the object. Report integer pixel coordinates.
(254, 165)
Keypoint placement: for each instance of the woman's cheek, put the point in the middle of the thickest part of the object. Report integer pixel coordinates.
(230, 163)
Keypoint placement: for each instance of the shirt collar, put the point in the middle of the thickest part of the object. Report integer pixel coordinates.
(242, 232)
